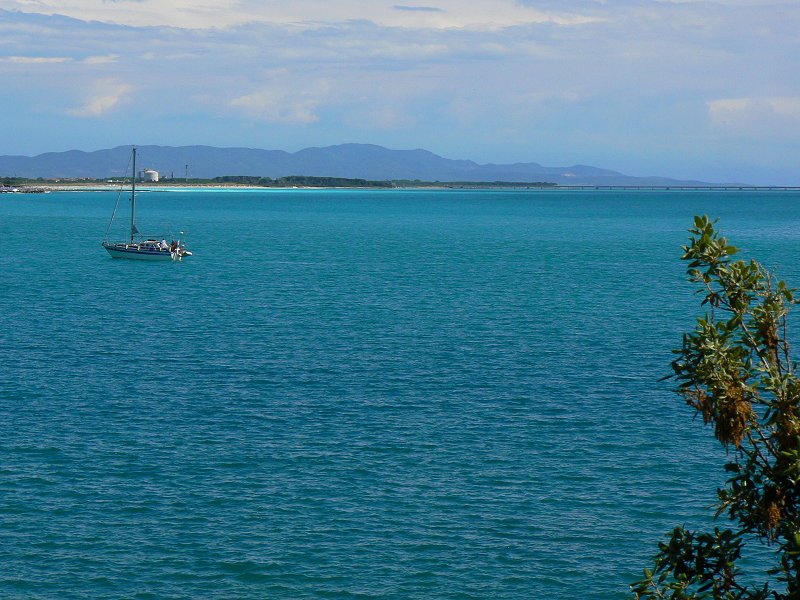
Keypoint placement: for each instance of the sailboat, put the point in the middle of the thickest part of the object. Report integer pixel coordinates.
(142, 247)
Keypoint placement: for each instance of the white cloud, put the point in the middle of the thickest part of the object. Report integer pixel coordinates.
(519, 108)
(773, 118)
(34, 60)
(745, 3)
(278, 106)
(51, 60)
(101, 60)
(103, 96)
(457, 74)
(478, 14)
(726, 111)
(416, 8)
(383, 116)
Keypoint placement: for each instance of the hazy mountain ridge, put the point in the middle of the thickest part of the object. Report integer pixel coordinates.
(366, 161)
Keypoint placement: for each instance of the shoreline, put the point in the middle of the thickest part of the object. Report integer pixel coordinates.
(102, 187)
(109, 187)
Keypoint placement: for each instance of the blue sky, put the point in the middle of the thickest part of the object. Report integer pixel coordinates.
(688, 89)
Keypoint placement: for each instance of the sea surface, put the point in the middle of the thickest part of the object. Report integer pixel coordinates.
(355, 394)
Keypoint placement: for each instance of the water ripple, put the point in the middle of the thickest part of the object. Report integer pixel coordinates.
(352, 395)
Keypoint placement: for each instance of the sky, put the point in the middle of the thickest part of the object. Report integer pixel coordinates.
(689, 89)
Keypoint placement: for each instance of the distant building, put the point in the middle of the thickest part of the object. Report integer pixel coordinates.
(149, 175)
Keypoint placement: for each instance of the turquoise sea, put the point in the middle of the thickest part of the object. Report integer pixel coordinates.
(355, 394)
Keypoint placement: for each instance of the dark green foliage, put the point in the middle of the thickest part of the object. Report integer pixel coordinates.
(290, 181)
(244, 180)
(307, 180)
(301, 180)
(734, 369)
(313, 181)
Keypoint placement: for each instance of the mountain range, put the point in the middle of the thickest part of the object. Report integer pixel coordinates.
(365, 161)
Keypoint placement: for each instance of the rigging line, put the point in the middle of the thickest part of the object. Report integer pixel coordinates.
(116, 204)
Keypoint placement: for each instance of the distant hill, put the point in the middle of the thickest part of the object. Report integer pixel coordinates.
(365, 161)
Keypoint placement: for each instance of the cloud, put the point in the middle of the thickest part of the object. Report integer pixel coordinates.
(278, 106)
(567, 77)
(54, 60)
(417, 8)
(382, 116)
(726, 109)
(104, 96)
(775, 117)
(101, 60)
(34, 60)
(205, 14)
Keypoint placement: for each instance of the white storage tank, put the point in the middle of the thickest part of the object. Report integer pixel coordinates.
(150, 175)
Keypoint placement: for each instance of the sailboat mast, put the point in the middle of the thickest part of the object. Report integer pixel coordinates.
(133, 196)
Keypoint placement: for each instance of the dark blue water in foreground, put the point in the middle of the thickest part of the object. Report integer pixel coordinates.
(394, 394)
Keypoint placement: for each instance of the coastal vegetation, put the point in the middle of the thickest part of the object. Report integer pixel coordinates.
(735, 370)
(299, 180)
(283, 182)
